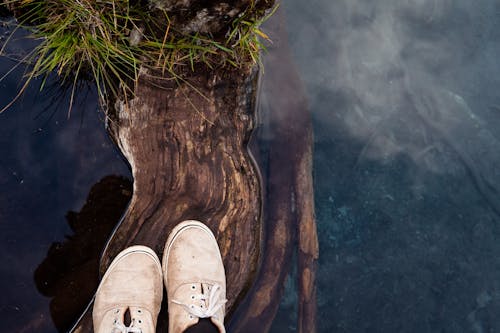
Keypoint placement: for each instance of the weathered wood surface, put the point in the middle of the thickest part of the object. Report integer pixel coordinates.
(207, 17)
(288, 196)
(308, 251)
(186, 142)
(289, 199)
(187, 150)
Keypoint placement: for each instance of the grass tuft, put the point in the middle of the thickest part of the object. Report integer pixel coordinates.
(112, 39)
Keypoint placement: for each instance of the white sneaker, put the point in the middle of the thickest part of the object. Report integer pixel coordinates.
(133, 283)
(194, 277)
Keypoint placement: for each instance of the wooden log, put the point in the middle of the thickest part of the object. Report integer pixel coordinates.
(188, 152)
(289, 203)
(308, 251)
(292, 120)
(186, 142)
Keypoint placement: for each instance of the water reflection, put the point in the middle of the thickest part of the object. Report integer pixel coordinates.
(48, 163)
(405, 96)
(69, 274)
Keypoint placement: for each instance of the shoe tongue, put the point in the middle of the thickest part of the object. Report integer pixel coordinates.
(119, 313)
(202, 289)
(127, 318)
(205, 288)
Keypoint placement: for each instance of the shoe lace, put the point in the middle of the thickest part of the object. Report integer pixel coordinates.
(213, 301)
(121, 328)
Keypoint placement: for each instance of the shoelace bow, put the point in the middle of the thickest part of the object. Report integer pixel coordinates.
(121, 328)
(214, 303)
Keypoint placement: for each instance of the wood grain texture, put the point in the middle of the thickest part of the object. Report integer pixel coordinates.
(308, 251)
(289, 196)
(186, 142)
(201, 163)
(187, 149)
(188, 152)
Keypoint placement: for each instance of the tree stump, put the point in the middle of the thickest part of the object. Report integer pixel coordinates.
(188, 152)
(189, 158)
(157, 140)
(187, 144)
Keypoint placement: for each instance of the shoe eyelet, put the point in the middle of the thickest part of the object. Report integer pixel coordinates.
(139, 321)
(191, 317)
(192, 297)
(115, 321)
(117, 311)
(193, 287)
(192, 306)
(139, 311)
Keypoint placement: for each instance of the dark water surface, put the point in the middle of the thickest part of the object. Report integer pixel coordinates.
(405, 96)
(48, 165)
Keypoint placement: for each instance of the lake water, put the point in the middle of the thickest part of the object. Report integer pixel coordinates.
(405, 97)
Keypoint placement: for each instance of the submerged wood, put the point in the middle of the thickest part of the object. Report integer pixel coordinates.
(289, 196)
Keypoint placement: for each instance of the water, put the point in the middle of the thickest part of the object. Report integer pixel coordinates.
(48, 164)
(405, 97)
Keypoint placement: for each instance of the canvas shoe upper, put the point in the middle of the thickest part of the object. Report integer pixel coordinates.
(133, 283)
(194, 277)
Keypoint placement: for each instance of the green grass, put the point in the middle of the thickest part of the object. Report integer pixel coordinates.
(82, 37)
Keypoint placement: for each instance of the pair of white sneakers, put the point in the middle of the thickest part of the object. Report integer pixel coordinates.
(193, 274)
